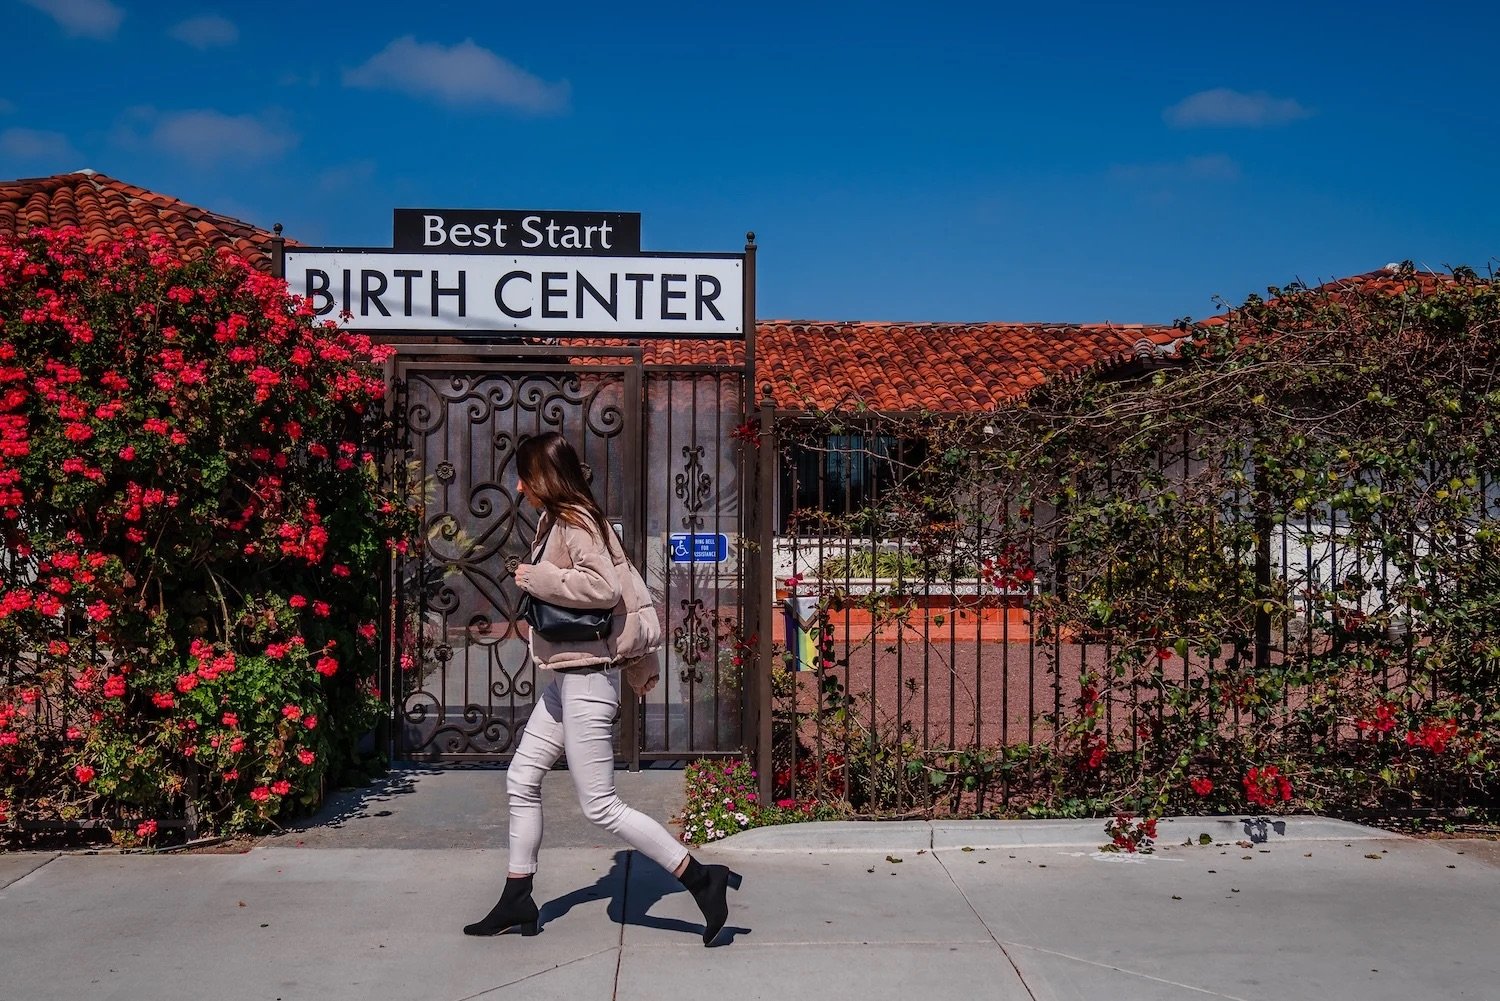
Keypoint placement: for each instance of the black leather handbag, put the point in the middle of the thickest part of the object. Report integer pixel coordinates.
(560, 624)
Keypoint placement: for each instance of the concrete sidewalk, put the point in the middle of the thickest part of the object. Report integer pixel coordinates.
(1037, 914)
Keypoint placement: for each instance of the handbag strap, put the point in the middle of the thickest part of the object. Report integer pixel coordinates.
(612, 545)
(539, 547)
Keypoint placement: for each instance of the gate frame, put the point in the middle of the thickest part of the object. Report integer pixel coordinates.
(521, 359)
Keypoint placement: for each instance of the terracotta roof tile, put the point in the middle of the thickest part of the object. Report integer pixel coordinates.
(911, 366)
(103, 207)
(885, 366)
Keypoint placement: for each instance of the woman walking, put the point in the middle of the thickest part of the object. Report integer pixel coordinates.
(578, 564)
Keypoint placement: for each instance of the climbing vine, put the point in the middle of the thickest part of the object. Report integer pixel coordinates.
(1261, 571)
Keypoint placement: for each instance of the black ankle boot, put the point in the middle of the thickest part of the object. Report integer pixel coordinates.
(516, 910)
(709, 885)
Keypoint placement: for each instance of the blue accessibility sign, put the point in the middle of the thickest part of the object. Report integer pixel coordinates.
(699, 547)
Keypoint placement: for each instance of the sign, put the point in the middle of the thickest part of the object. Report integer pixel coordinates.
(513, 231)
(451, 293)
(698, 547)
(457, 271)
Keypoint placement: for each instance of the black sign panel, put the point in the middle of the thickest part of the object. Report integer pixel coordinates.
(516, 231)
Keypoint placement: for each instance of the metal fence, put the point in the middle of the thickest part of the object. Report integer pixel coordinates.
(925, 635)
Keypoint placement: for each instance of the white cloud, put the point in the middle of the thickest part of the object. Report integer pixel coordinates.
(1210, 167)
(205, 137)
(1224, 107)
(465, 73)
(206, 31)
(89, 18)
(35, 144)
(341, 178)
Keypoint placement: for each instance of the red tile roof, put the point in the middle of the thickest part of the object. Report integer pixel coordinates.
(917, 366)
(103, 207)
(885, 366)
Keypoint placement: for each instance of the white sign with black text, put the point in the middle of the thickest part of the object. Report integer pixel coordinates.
(645, 295)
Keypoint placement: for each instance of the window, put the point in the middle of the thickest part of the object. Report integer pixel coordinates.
(841, 477)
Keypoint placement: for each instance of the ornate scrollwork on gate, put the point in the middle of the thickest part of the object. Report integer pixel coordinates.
(692, 640)
(694, 487)
(472, 685)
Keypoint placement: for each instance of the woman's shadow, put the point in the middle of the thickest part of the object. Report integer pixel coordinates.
(641, 883)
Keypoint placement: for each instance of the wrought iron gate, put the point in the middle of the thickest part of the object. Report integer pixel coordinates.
(662, 460)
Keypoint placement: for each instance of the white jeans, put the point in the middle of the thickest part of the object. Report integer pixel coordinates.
(575, 717)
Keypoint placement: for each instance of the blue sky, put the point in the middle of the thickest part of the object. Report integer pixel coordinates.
(1058, 162)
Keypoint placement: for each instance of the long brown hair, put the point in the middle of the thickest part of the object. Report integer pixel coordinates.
(553, 474)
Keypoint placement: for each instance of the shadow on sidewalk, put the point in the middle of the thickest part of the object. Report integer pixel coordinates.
(636, 898)
(361, 802)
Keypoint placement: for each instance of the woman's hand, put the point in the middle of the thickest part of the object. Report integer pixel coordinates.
(641, 674)
(523, 576)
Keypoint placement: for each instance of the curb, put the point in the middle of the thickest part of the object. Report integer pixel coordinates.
(938, 835)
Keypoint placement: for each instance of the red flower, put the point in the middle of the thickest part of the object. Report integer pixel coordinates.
(281, 787)
(146, 829)
(305, 756)
(321, 609)
(339, 570)
(84, 774)
(260, 794)
(297, 601)
(114, 687)
(1202, 786)
(230, 719)
(291, 712)
(327, 666)
(163, 700)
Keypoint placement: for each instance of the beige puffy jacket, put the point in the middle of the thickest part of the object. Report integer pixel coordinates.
(579, 570)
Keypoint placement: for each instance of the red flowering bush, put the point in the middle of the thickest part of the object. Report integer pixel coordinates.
(1267, 787)
(192, 528)
(722, 800)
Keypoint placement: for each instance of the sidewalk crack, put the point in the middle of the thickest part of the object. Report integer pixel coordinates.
(988, 930)
(1129, 973)
(33, 872)
(533, 976)
(614, 993)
